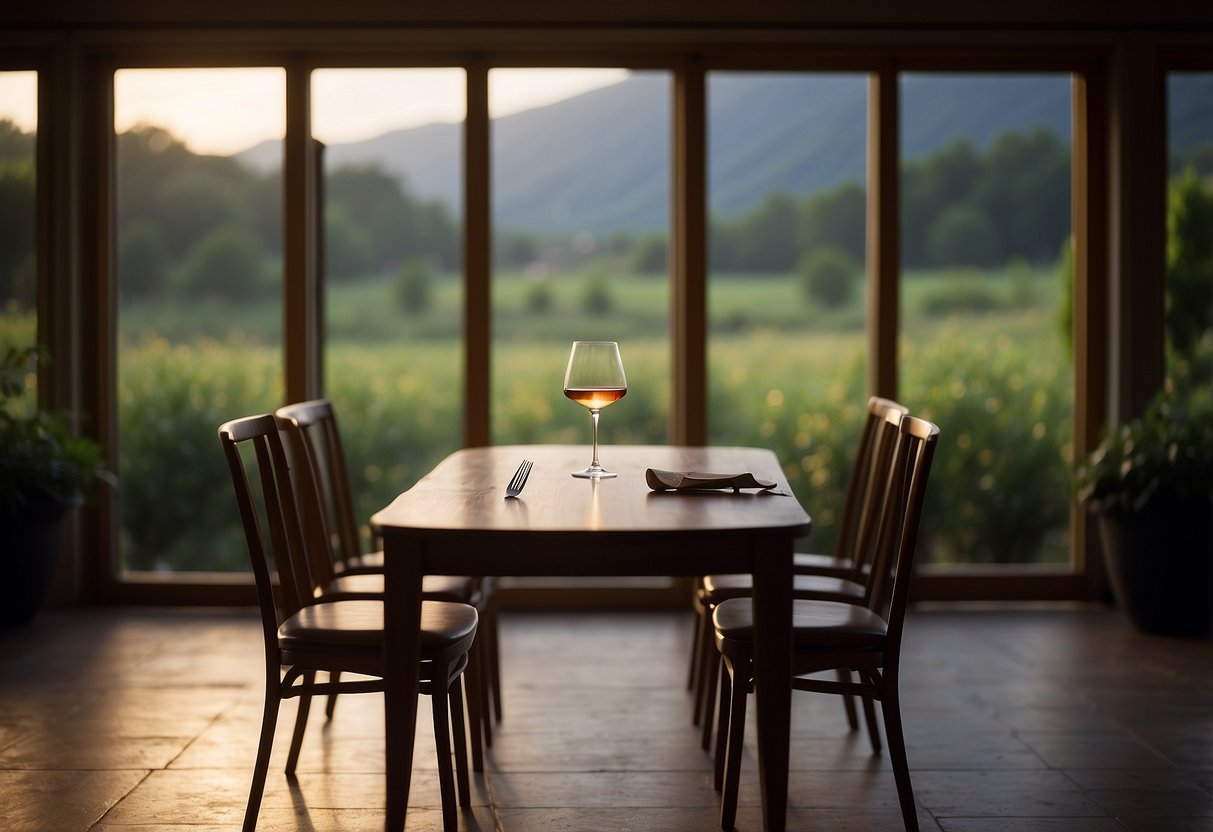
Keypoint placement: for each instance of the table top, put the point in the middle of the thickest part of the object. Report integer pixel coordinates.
(466, 493)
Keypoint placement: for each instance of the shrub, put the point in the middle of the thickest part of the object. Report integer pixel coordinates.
(597, 299)
(413, 286)
(1000, 483)
(539, 298)
(172, 398)
(829, 276)
(964, 292)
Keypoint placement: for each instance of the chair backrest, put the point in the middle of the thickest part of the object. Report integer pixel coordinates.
(901, 515)
(862, 497)
(869, 482)
(315, 428)
(265, 494)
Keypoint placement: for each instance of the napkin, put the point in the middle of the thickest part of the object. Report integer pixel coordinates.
(659, 480)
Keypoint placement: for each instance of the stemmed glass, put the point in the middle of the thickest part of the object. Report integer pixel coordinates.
(594, 379)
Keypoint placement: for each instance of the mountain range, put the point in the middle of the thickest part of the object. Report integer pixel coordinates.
(600, 161)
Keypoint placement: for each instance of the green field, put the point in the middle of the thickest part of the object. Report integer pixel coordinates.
(987, 362)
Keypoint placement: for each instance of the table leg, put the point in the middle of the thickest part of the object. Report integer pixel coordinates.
(401, 643)
(772, 677)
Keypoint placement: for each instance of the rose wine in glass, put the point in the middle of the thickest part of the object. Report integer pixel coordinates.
(594, 379)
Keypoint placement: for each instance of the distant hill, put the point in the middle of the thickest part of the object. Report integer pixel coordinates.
(600, 161)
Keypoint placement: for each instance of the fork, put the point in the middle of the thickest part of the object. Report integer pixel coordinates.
(519, 479)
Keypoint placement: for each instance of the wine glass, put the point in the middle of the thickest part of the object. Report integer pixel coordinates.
(594, 379)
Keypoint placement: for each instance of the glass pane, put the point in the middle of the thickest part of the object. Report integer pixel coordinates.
(786, 349)
(392, 273)
(985, 300)
(1189, 321)
(18, 273)
(199, 240)
(581, 223)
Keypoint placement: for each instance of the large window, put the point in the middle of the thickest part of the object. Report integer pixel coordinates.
(580, 214)
(199, 288)
(1189, 303)
(786, 286)
(773, 225)
(393, 303)
(18, 272)
(985, 294)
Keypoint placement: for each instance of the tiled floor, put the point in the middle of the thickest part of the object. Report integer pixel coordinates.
(1066, 721)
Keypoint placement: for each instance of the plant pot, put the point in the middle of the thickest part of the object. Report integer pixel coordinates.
(1160, 564)
(30, 555)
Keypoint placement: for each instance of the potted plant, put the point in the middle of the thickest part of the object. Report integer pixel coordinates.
(1151, 483)
(45, 471)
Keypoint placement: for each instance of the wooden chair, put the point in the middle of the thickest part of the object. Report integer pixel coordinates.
(350, 572)
(304, 634)
(828, 635)
(840, 577)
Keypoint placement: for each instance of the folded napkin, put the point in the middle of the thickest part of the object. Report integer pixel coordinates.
(659, 480)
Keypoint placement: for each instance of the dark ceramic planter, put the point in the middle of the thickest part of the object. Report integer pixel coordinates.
(1160, 564)
(29, 556)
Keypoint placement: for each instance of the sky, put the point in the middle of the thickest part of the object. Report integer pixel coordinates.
(223, 111)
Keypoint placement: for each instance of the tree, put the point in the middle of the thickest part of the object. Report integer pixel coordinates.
(17, 231)
(347, 248)
(15, 144)
(225, 265)
(142, 261)
(837, 218)
(769, 235)
(650, 255)
(963, 235)
(514, 249)
(1025, 183)
(1189, 307)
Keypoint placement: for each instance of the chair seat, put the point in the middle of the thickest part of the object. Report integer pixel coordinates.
(720, 588)
(816, 625)
(433, 587)
(357, 624)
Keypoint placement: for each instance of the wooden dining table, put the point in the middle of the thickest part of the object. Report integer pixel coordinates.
(457, 521)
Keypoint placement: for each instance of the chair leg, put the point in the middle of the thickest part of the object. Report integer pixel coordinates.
(722, 724)
(459, 731)
(848, 701)
(706, 648)
(732, 763)
(476, 706)
(891, 707)
(869, 715)
(484, 691)
(709, 699)
(494, 655)
(696, 640)
(305, 706)
(331, 705)
(440, 704)
(269, 721)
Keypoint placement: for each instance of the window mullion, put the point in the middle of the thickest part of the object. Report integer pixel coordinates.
(883, 237)
(301, 308)
(477, 245)
(688, 407)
